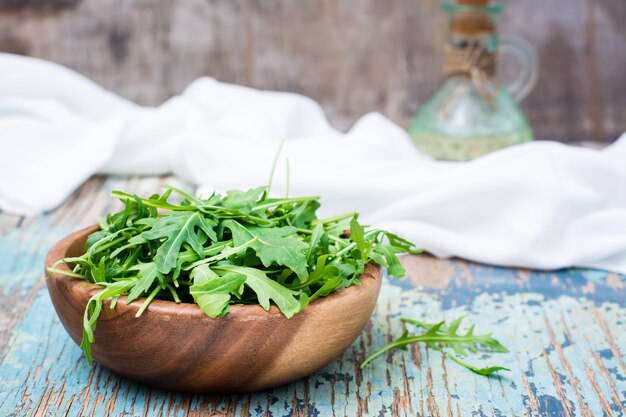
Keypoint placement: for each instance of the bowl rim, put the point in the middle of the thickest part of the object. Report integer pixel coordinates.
(372, 276)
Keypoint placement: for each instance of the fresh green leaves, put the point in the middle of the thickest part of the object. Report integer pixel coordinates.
(178, 228)
(243, 200)
(447, 339)
(242, 248)
(147, 274)
(212, 292)
(273, 245)
(266, 289)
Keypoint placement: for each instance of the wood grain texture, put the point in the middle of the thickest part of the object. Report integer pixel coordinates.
(176, 346)
(37, 4)
(565, 330)
(353, 56)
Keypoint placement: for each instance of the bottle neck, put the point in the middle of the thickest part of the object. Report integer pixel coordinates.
(467, 55)
(472, 57)
(473, 22)
(487, 40)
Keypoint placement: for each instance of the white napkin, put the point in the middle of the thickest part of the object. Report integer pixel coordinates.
(540, 205)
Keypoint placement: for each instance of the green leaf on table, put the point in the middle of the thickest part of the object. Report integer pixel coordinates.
(446, 339)
(468, 340)
(486, 371)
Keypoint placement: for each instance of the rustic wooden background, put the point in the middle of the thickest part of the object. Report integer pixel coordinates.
(353, 56)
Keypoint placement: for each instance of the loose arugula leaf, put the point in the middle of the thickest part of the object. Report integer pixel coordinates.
(484, 340)
(486, 371)
(448, 340)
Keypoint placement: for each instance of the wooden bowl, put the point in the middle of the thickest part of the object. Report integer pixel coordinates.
(176, 346)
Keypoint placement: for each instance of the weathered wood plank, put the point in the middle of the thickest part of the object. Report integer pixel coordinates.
(149, 50)
(565, 330)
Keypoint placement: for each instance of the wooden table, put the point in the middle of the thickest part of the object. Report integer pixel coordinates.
(566, 331)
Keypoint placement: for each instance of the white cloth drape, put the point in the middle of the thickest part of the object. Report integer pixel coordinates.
(539, 205)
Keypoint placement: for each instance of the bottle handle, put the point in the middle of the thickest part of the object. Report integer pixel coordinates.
(529, 63)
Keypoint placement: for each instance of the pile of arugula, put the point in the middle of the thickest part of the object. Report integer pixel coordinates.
(242, 248)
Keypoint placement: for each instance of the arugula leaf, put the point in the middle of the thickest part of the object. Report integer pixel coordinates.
(266, 289)
(321, 273)
(147, 273)
(330, 285)
(357, 233)
(486, 371)
(393, 265)
(92, 312)
(305, 213)
(212, 292)
(178, 228)
(446, 339)
(401, 243)
(317, 239)
(485, 340)
(278, 246)
(243, 199)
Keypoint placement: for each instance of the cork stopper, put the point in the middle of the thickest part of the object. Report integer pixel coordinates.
(468, 23)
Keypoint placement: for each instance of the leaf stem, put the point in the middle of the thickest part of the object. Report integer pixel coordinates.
(331, 237)
(282, 201)
(152, 203)
(414, 339)
(287, 179)
(338, 218)
(274, 163)
(188, 196)
(68, 273)
(223, 255)
(148, 301)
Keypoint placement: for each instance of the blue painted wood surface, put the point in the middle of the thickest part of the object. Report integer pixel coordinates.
(566, 331)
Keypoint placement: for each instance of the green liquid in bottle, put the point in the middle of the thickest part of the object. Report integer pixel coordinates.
(455, 148)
